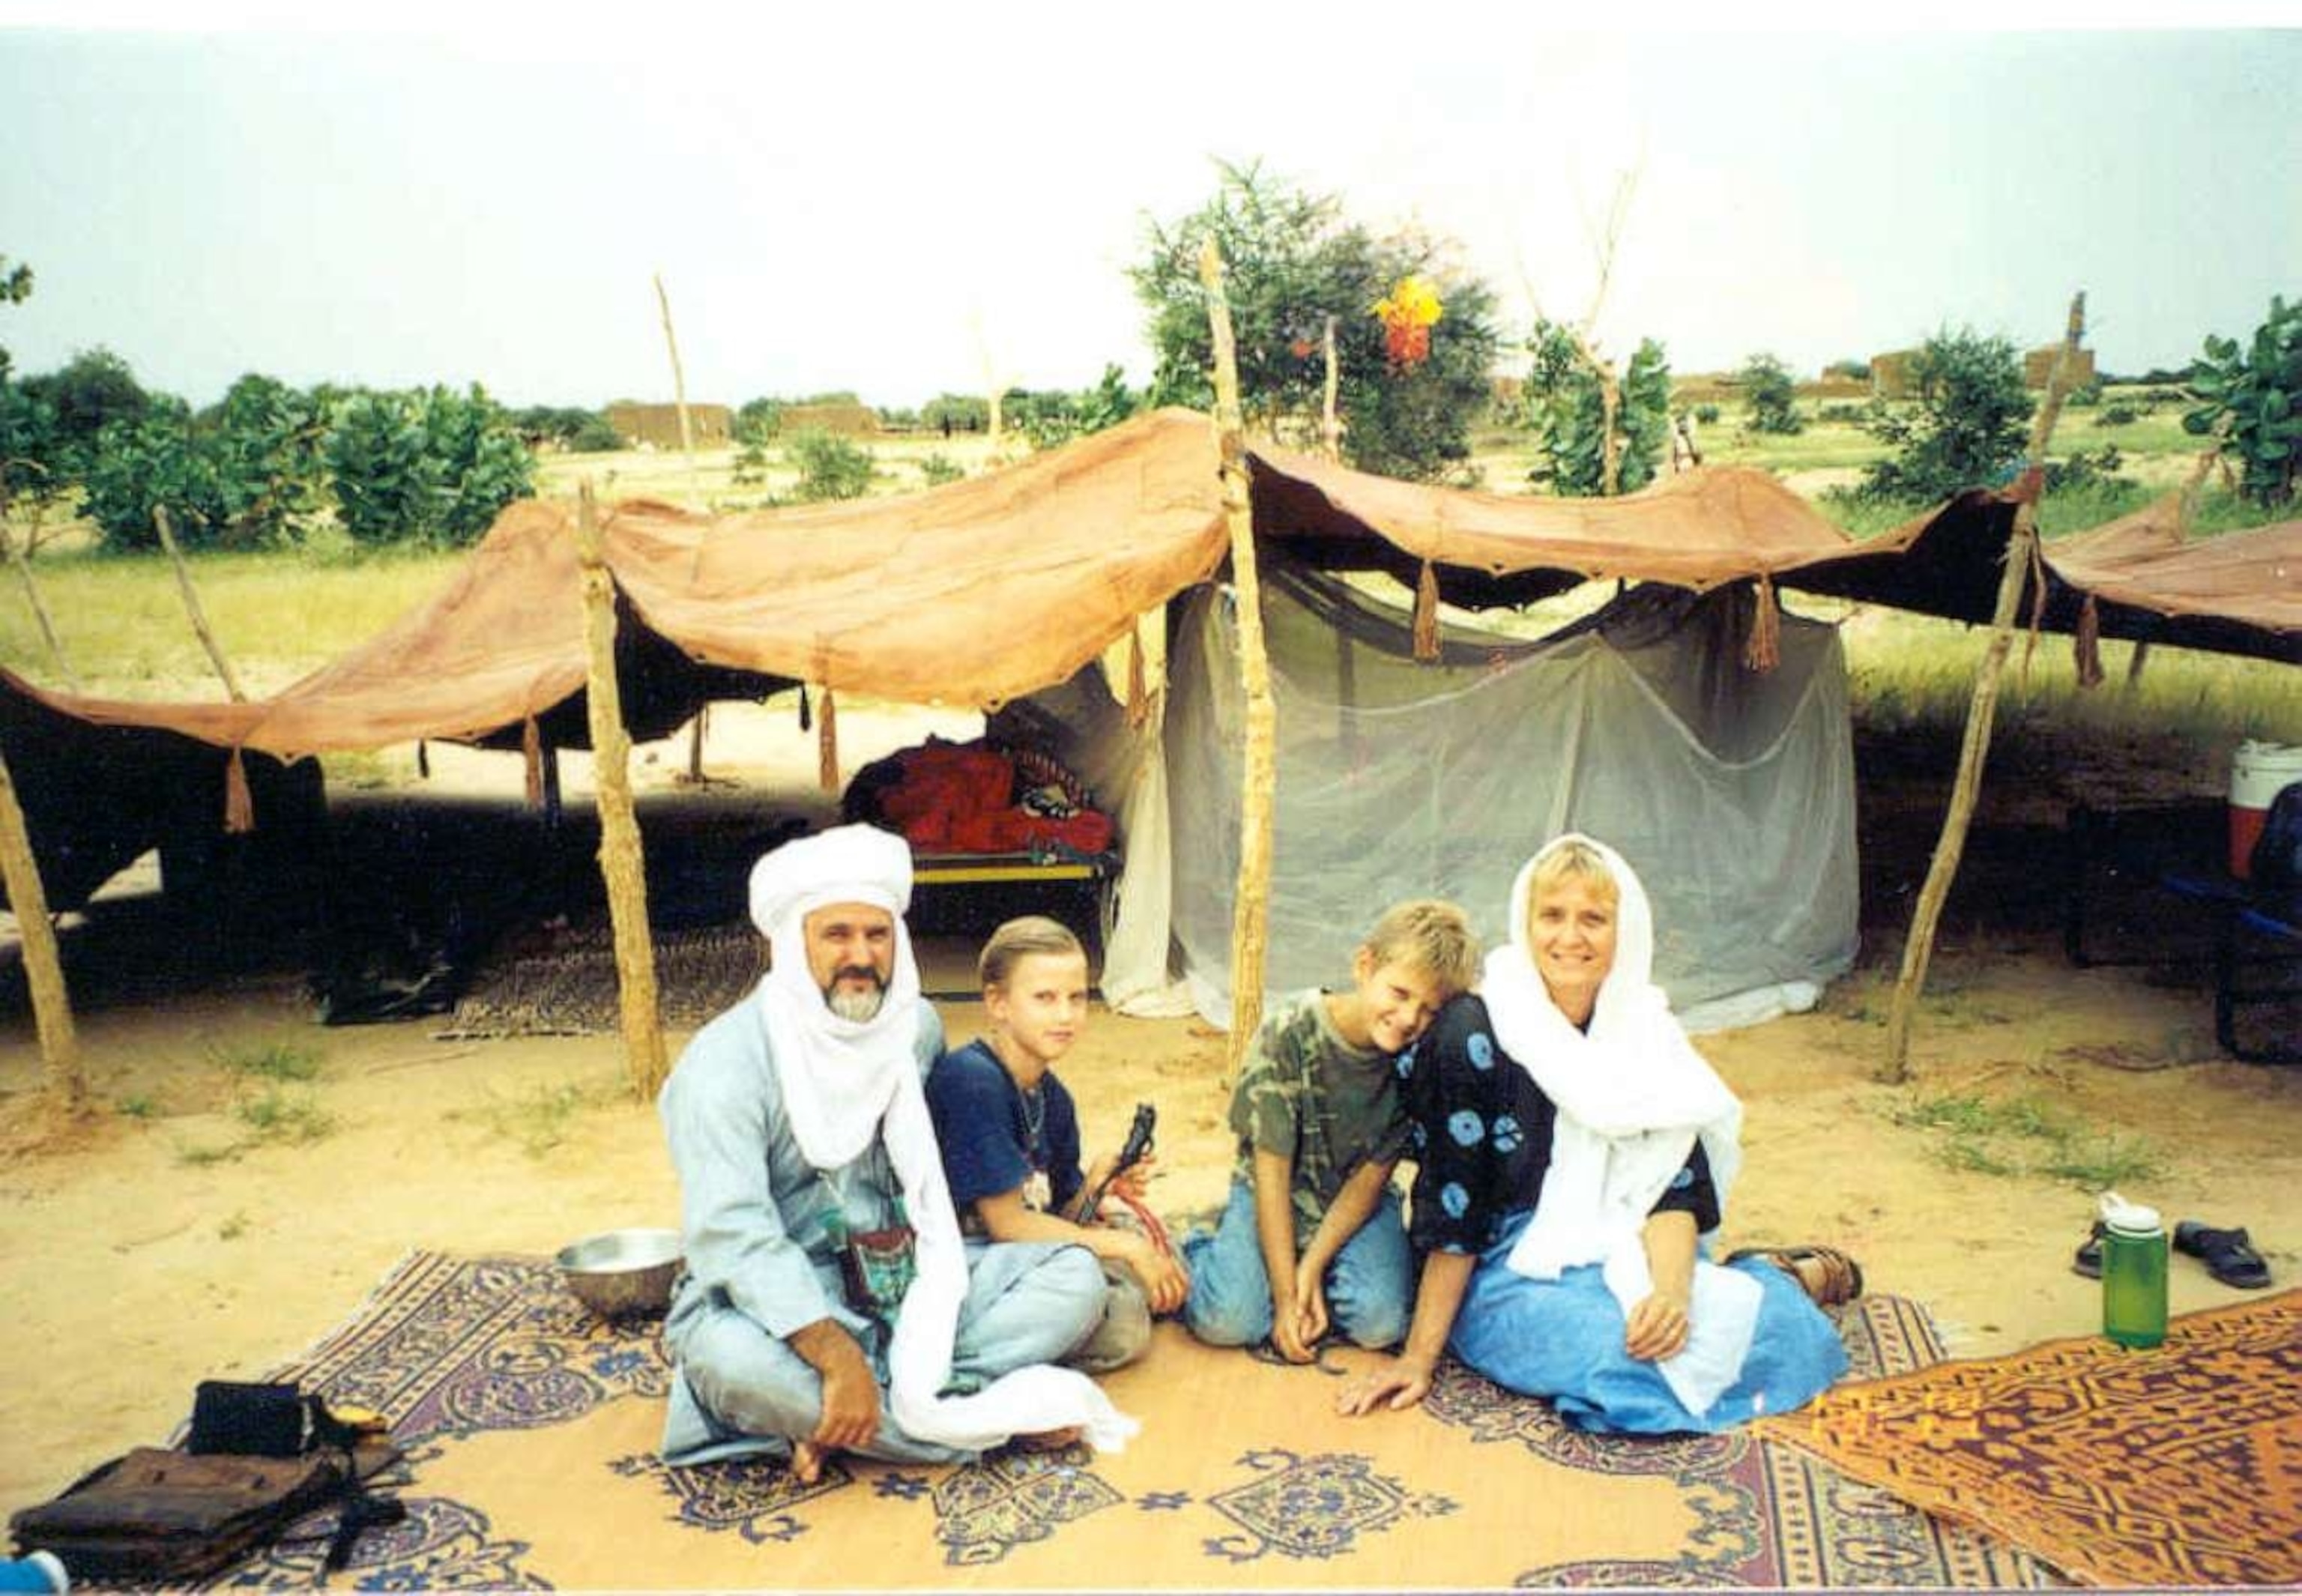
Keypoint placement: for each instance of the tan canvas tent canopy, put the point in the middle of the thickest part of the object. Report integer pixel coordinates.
(983, 592)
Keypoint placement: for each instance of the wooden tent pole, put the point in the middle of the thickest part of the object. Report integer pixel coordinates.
(679, 393)
(1251, 909)
(621, 862)
(2022, 544)
(192, 603)
(694, 485)
(15, 557)
(1330, 423)
(43, 971)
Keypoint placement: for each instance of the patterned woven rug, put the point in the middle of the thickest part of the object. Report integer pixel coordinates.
(2181, 1465)
(569, 989)
(531, 1429)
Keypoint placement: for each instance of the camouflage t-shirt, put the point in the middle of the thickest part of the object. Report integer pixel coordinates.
(1328, 1106)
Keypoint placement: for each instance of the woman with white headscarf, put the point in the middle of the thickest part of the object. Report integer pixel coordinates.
(1574, 1157)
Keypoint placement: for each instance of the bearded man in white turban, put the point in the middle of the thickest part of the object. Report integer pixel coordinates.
(827, 1304)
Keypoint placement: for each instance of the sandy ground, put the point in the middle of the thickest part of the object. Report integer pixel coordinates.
(136, 1261)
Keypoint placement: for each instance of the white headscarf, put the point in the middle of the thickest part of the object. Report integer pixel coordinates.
(841, 1079)
(1634, 1098)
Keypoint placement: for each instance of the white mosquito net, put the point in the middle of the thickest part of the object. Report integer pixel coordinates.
(1731, 791)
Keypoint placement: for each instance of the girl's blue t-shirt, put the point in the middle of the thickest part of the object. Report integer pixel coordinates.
(995, 1136)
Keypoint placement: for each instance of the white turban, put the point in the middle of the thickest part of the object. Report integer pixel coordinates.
(841, 1081)
(838, 1076)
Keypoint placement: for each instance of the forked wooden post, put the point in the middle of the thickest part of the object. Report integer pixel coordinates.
(1251, 909)
(621, 862)
(44, 971)
(192, 603)
(2020, 545)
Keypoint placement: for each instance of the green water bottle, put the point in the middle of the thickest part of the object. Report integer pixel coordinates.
(2133, 1273)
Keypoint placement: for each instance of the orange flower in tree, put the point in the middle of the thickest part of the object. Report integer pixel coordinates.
(1407, 314)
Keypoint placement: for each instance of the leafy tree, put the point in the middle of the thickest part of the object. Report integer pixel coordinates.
(593, 436)
(430, 466)
(1770, 394)
(2254, 395)
(758, 420)
(1851, 370)
(830, 466)
(1291, 260)
(1965, 427)
(570, 427)
(88, 393)
(1055, 417)
(156, 460)
(267, 443)
(15, 288)
(952, 413)
(1567, 409)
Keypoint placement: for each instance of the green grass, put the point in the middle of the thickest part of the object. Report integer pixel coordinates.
(2025, 1135)
(540, 1117)
(276, 615)
(137, 1105)
(269, 1060)
(277, 1115)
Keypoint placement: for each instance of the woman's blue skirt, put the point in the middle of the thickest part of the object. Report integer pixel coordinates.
(1562, 1340)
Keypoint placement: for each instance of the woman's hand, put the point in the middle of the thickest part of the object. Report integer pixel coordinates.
(1396, 1382)
(1658, 1328)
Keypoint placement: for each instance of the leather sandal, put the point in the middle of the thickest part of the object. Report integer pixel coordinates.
(2088, 1260)
(1841, 1281)
(2229, 1255)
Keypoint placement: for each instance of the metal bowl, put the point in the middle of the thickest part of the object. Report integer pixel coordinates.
(622, 1273)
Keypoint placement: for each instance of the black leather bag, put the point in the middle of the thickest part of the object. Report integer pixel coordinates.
(156, 1515)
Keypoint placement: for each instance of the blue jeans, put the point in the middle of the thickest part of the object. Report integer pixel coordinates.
(742, 1390)
(1370, 1284)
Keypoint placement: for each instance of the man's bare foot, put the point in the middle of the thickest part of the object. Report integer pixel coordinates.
(1051, 1440)
(806, 1462)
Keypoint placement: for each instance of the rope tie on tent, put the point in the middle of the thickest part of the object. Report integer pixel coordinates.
(806, 721)
(1764, 650)
(827, 743)
(1138, 693)
(424, 758)
(2088, 643)
(1426, 615)
(238, 804)
(531, 747)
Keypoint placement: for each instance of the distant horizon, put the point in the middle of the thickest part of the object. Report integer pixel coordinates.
(900, 205)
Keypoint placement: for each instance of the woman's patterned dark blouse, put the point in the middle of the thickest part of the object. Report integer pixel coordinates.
(1481, 1137)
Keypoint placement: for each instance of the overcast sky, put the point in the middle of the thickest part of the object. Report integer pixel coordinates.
(883, 196)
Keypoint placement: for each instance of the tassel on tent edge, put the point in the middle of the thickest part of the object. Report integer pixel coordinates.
(1426, 615)
(806, 720)
(238, 803)
(1764, 650)
(424, 758)
(2088, 645)
(827, 722)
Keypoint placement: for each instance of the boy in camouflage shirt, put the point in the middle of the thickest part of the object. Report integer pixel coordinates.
(1312, 1234)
